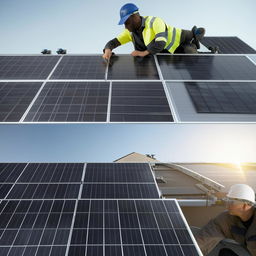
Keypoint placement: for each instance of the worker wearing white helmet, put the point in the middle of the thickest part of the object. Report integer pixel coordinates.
(237, 223)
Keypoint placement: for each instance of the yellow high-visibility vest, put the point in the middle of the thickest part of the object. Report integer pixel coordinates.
(155, 30)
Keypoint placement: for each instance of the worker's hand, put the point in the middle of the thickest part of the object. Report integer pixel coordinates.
(140, 53)
(107, 54)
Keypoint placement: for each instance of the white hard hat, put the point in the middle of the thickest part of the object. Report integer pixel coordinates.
(243, 192)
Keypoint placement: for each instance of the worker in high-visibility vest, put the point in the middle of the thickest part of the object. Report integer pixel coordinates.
(151, 35)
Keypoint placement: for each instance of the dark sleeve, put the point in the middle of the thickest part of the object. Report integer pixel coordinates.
(112, 44)
(156, 47)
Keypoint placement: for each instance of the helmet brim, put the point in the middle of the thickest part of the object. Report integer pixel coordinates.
(124, 19)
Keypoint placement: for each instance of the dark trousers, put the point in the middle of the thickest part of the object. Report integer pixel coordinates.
(185, 43)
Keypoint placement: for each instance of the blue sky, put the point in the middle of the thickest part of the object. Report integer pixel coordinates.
(84, 26)
(105, 143)
(28, 26)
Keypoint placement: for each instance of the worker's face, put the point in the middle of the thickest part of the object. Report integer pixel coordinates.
(132, 23)
(236, 207)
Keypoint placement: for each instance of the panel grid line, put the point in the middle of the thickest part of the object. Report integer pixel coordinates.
(57, 227)
(103, 225)
(250, 59)
(106, 71)
(9, 220)
(159, 230)
(71, 228)
(15, 182)
(188, 229)
(142, 238)
(82, 180)
(88, 223)
(168, 96)
(174, 229)
(41, 88)
(109, 102)
(120, 229)
(18, 228)
(39, 242)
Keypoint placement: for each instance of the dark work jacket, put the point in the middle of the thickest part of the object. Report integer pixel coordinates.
(227, 226)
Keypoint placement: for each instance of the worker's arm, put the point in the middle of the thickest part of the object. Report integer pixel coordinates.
(112, 44)
(140, 53)
(121, 39)
(161, 36)
(212, 233)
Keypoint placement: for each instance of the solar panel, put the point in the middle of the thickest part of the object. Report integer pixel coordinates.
(35, 227)
(129, 235)
(26, 67)
(132, 68)
(118, 172)
(119, 180)
(139, 101)
(122, 190)
(9, 172)
(52, 173)
(41, 217)
(15, 99)
(230, 44)
(180, 67)
(223, 97)
(80, 67)
(71, 102)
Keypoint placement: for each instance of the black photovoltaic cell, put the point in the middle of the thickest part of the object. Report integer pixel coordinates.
(9, 172)
(4, 189)
(44, 191)
(124, 190)
(230, 44)
(52, 173)
(220, 97)
(80, 67)
(35, 227)
(75, 102)
(187, 67)
(26, 67)
(118, 172)
(139, 102)
(132, 68)
(15, 99)
(125, 232)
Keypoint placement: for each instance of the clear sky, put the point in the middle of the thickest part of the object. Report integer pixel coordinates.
(84, 26)
(100, 143)
(28, 26)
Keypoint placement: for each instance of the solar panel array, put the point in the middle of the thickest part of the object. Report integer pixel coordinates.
(84, 88)
(43, 212)
(228, 44)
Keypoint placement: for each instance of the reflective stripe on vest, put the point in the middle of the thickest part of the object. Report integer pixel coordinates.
(163, 36)
(151, 22)
(173, 39)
